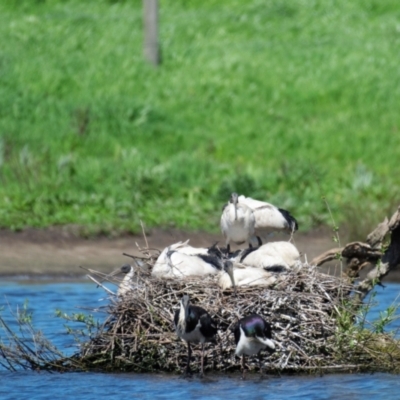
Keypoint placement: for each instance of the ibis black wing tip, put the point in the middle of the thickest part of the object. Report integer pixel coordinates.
(292, 221)
(275, 268)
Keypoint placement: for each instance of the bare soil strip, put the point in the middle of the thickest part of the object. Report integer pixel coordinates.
(58, 252)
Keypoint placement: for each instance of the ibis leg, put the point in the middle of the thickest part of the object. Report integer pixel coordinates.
(243, 366)
(202, 360)
(228, 248)
(259, 241)
(188, 359)
(260, 362)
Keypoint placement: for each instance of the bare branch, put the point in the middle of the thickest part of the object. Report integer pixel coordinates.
(389, 260)
(327, 256)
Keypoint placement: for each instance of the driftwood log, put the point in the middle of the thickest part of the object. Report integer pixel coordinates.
(373, 252)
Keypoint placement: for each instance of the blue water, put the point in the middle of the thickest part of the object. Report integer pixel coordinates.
(45, 297)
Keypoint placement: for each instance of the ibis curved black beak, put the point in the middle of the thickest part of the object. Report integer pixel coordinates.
(121, 270)
(234, 201)
(228, 267)
(185, 300)
(185, 305)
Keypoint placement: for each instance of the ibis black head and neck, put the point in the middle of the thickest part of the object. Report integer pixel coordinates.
(228, 268)
(214, 250)
(187, 317)
(190, 318)
(126, 268)
(194, 324)
(254, 326)
(234, 200)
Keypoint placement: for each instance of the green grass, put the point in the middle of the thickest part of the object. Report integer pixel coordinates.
(286, 101)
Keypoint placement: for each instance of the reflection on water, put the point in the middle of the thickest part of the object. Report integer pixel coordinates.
(44, 298)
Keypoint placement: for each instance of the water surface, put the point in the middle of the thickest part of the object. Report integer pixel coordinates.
(45, 297)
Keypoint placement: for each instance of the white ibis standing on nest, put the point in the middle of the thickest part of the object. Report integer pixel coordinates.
(237, 222)
(194, 324)
(252, 334)
(269, 218)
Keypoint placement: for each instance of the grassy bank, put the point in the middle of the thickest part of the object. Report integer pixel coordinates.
(284, 101)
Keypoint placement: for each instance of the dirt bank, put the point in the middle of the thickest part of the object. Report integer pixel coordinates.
(57, 252)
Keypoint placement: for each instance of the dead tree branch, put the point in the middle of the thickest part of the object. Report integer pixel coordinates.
(389, 260)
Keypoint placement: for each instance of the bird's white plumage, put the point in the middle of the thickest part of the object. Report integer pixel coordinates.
(252, 345)
(185, 248)
(126, 285)
(247, 276)
(180, 260)
(193, 336)
(237, 227)
(284, 254)
(182, 247)
(258, 260)
(268, 218)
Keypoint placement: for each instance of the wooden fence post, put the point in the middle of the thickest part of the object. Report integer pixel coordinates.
(151, 46)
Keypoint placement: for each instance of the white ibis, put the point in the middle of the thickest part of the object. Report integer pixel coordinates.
(269, 218)
(241, 276)
(237, 222)
(284, 254)
(176, 263)
(126, 285)
(194, 324)
(252, 334)
(185, 248)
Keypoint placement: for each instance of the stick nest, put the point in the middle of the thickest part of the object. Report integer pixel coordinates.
(302, 309)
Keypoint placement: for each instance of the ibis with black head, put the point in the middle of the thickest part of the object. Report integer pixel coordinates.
(237, 222)
(252, 335)
(272, 253)
(177, 261)
(194, 324)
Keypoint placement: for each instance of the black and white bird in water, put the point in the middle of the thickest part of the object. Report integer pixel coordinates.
(237, 222)
(268, 218)
(252, 335)
(194, 324)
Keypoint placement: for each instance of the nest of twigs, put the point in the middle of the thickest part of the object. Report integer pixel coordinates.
(302, 308)
(318, 321)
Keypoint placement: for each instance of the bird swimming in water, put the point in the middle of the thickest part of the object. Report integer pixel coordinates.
(269, 218)
(194, 324)
(252, 335)
(237, 222)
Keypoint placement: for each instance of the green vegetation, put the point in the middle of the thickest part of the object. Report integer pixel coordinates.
(285, 101)
(90, 324)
